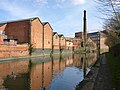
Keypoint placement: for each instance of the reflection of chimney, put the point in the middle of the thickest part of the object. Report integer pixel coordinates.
(84, 28)
(42, 74)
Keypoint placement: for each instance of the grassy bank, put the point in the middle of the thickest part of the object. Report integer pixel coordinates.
(114, 66)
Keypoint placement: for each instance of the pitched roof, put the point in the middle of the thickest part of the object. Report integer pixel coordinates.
(60, 35)
(19, 20)
(55, 33)
(44, 23)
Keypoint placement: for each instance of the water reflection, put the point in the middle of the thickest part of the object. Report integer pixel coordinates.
(45, 73)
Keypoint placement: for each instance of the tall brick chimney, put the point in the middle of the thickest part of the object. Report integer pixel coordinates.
(84, 28)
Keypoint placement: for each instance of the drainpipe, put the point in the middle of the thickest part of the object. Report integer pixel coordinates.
(52, 42)
(43, 41)
(29, 33)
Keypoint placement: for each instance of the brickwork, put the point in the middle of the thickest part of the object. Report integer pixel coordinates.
(37, 33)
(2, 27)
(10, 51)
(77, 43)
(56, 41)
(1, 39)
(18, 30)
(103, 47)
(47, 36)
(62, 42)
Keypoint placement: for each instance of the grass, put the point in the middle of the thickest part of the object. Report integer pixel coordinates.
(114, 66)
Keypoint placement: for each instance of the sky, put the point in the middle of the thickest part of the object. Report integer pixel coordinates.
(64, 16)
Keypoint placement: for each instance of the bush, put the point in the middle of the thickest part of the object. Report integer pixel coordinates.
(115, 50)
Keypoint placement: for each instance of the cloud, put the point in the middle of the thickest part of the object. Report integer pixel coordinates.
(41, 2)
(16, 10)
(78, 2)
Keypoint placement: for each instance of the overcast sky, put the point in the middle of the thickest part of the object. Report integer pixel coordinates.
(65, 16)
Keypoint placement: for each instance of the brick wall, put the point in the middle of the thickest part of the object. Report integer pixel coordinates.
(2, 27)
(103, 47)
(56, 41)
(47, 36)
(1, 39)
(62, 42)
(9, 51)
(37, 33)
(18, 30)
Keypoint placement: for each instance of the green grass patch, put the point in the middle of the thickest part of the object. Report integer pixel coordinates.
(114, 66)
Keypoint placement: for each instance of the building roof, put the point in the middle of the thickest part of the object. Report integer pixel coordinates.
(78, 34)
(31, 19)
(60, 35)
(44, 23)
(55, 33)
(94, 33)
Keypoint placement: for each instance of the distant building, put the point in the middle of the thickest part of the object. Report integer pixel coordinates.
(55, 40)
(92, 40)
(77, 43)
(103, 47)
(62, 41)
(79, 35)
(69, 43)
(95, 36)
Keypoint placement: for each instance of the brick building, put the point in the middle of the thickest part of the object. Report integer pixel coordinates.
(47, 36)
(62, 41)
(95, 36)
(25, 31)
(77, 43)
(69, 43)
(55, 40)
(103, 47)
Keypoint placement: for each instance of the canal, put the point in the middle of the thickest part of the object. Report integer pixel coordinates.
(45, 73)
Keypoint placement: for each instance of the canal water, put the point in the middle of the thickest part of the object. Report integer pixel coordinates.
(45, 73)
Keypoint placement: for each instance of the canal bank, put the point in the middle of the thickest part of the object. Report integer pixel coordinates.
(42, 54)
(98, 78)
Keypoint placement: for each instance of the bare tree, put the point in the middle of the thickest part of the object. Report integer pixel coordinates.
(109, 8)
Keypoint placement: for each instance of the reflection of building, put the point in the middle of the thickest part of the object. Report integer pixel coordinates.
(77, 61)
(68, 60)
(36, 77)
(20, 69)
(47, 73)
(17, 67)
(55, 67)
(41, 75)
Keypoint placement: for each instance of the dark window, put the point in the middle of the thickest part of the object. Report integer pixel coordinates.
(48, 42)
(55, 37)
